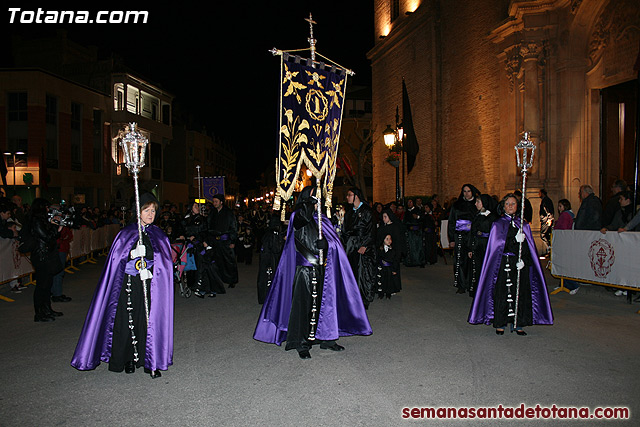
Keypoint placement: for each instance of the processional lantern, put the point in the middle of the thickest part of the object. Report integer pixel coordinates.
(525, 150)
(134, 147)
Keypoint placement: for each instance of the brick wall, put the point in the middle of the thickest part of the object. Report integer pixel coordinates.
(458, 133)
(470, 80)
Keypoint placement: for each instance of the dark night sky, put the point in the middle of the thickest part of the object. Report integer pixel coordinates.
(215, 59)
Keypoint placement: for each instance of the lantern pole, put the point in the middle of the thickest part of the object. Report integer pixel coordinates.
(134, 146)
(525, 150)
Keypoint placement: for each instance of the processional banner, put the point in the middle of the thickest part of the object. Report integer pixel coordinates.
(311, 104)
(212, 185)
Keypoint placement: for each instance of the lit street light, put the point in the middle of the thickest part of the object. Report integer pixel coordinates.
(393, 140)
(9, 153)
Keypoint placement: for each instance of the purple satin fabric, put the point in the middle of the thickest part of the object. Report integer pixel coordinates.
(342, 312)
(463, 225)
(94, 344)
(132, 266)
(482, 307)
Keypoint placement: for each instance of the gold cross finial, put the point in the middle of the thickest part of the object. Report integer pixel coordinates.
(312, 41)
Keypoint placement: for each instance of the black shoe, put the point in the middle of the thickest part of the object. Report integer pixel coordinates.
(199, 293)
(304, 354)
(232, 286)
(334, 347)
(155, 374)
(460, 291)
(499, 331)
(521, 332)
(388, 296)
(211, 295)
(42, 318)
(130, 367)
(60, 298)
(53, 313)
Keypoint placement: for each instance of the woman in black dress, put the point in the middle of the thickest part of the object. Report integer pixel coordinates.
(479, 236)
(462, 213)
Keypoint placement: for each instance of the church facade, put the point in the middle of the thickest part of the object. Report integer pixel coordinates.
(481, 73)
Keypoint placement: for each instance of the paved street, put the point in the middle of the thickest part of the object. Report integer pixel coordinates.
(422, 353)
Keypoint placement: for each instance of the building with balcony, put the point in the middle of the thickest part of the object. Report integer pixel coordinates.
(135, 100)
(64, 108)
(63, 130)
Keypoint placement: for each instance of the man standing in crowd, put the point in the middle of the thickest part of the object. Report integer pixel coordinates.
(359, 243)
(613, 204)
(546, 218)
(589, 217)
(223, 229)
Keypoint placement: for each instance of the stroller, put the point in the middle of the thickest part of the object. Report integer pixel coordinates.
(183, 261)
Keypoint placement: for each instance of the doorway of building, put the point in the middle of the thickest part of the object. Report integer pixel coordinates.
(619, 109)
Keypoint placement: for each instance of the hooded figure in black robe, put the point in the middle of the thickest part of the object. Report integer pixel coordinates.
(429, 237)
(313, 299)
(462, 213)
(223, 230)
(479, 236)
(413, 222)
(391, 225)
(388, 268)
(270, 252)
(206, 279)
(358, 235)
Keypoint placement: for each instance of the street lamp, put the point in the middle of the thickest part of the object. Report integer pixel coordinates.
(9, 153)
(389, 137)
(393, 140)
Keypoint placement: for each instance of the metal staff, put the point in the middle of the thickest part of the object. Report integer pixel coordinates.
(134, 146)
(525, 150)
(199, 191)
(314, 278)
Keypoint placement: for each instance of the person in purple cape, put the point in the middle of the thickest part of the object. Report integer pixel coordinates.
(116, 329)
(497, 293)
(310, 302)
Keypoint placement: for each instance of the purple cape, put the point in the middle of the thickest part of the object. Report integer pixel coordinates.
(342, 312)
(94, 344)
(482, 308)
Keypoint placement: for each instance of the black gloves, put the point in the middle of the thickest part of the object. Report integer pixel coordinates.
(322, 244)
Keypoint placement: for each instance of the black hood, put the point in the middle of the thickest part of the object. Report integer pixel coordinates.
(145, 198)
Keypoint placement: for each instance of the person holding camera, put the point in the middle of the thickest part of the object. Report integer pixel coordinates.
(42, 234)
(64, 243)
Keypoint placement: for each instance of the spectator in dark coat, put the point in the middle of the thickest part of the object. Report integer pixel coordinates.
(613, 204)
(589, 216)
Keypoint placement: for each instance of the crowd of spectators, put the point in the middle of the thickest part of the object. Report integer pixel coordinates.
(417, 216)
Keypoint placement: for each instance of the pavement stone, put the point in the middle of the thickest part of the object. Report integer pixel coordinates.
(422, 353)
